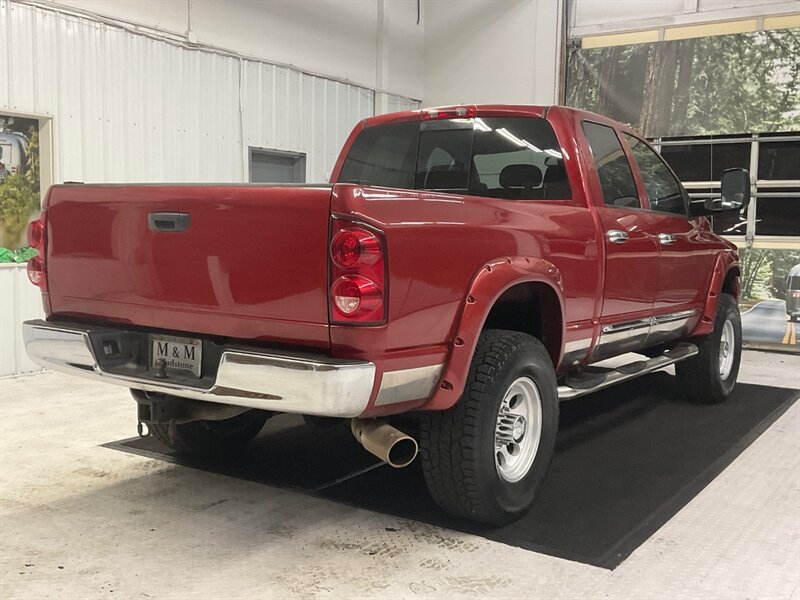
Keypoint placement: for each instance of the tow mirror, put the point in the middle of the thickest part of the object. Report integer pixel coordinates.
(735, 189)
(735, 186)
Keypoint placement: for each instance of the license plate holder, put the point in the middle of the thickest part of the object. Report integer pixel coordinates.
(182, 355)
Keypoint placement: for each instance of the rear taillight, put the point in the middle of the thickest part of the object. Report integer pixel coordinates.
(36, 234)
(353, 294)
(358, 274)
(795, 294)
(36, 272)
(353, 246)
(36, 238)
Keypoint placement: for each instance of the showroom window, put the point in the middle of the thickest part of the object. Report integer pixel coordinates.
(616, 178)
(778, 159)
(774, 158)
(706, 161)
(777, 206)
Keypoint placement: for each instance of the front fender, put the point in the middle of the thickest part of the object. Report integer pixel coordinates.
(722, 266)
(488, 284)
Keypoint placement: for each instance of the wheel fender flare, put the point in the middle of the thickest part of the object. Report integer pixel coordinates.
(488, 284)
(725, 262)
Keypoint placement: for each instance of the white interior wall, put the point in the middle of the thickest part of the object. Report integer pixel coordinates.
(334, 38)
(491, 51)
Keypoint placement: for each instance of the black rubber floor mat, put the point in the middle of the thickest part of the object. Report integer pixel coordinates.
(626, 461)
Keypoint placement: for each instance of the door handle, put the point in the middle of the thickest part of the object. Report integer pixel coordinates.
(667, 239)
(168, 221)
(617, 236)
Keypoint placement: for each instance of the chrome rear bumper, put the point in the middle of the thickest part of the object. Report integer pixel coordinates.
(282, 382)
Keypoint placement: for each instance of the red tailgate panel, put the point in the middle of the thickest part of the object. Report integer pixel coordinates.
(251, 264)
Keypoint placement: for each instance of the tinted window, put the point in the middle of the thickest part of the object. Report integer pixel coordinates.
(794, 283)
(518, 158)
(779, 160)
(514, 158)
(383, 156)
(663, 190)
(616, 178)
(778, 215)
(444, 151)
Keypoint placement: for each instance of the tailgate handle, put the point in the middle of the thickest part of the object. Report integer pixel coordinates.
(168, 221)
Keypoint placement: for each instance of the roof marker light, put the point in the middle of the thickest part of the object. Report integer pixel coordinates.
(456, 112)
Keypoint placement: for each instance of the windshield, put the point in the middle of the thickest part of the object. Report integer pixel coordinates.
(516, 158)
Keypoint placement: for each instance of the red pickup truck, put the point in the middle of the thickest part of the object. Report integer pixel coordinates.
(465, 268)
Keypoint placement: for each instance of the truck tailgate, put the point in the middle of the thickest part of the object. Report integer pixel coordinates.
(250, 264)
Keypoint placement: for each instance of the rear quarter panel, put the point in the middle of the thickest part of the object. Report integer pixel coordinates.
(438, 243)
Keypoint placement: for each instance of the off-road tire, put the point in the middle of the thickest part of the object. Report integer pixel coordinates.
(699, 377)
(457, 446)
(211, 438)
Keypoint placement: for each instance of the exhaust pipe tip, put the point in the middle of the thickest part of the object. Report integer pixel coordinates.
(388, 443)
(402, 453)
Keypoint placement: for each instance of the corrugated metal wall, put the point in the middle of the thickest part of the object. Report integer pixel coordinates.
(288, 110)
(19, 301)
(128, 107)
(397, 103)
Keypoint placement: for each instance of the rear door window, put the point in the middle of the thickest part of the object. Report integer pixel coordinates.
(613, 169)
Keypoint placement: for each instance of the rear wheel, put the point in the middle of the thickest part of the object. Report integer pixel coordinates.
(709, 376)
(211, 438)
(484, 458)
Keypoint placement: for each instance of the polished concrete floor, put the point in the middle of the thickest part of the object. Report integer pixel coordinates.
(78, 520)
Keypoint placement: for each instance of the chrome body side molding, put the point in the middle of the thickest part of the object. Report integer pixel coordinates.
(631, 336)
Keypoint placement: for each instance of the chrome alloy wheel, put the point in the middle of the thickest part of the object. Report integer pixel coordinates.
(518, 430)
(727, 343)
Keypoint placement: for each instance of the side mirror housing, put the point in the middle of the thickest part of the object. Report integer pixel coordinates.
(735, 186)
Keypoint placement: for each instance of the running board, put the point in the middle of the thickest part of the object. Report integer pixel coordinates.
(607, 377)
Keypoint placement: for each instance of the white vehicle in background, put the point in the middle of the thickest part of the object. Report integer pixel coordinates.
(13, 151)
(793, 294)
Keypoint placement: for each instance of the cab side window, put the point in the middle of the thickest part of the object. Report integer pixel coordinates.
(616, 177)
(517, 158)
(663, 189)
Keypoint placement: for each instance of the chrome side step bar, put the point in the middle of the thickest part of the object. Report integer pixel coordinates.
(599, 380)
